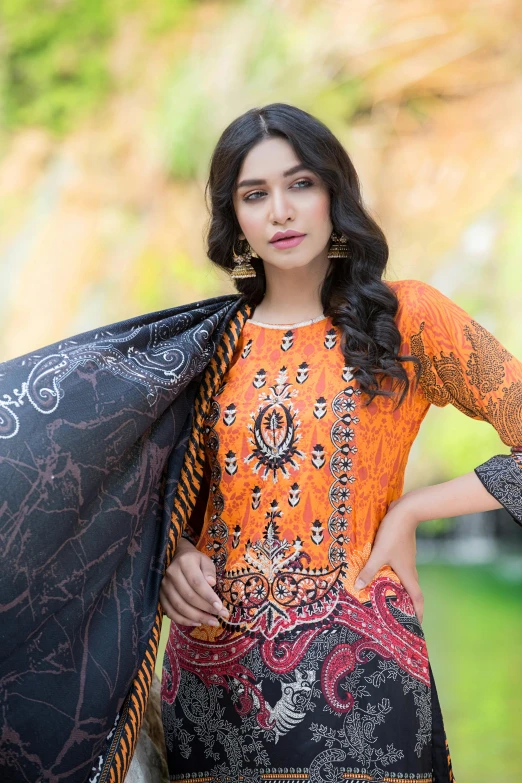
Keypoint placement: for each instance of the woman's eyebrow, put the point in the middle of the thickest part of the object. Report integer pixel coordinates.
(250, 182)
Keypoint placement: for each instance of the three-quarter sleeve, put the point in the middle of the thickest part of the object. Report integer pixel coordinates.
(465, 365)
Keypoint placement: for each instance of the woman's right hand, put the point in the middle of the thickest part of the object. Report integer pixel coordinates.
(186, 593)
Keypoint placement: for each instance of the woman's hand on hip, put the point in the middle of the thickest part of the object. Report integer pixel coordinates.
(395, 546)
(186, 593)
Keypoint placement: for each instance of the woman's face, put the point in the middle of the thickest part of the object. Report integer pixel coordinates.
(281, 201)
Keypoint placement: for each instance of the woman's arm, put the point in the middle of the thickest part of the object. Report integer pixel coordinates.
(466, 366)
(462, 495)
(395, 544)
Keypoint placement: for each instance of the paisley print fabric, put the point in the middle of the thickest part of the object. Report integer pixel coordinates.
(311, 679)
(465, 365)
(94, 433)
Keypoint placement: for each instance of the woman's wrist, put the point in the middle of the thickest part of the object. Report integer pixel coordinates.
(184, 545)
(408, 508)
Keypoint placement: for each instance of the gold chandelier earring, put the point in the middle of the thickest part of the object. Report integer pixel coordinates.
(244, 268)
(339, 246)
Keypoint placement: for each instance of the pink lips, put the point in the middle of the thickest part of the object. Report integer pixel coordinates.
(290, 242)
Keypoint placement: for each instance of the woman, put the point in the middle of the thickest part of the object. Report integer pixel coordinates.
(296, 650)
(268, 460)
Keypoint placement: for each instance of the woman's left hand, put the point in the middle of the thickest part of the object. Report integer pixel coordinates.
(395, 546)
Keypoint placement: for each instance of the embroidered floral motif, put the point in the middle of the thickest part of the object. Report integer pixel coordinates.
(275, 431)
(274, 586)
(343, 436)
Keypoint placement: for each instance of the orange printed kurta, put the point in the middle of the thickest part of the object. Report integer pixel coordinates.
(310, 678)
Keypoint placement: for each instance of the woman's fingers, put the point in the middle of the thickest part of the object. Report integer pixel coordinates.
(195, 587)
(208, 569)
(186, 589)
(368, 572)
(173, 615)
(178, 610)
(177, 590)
(180, 588)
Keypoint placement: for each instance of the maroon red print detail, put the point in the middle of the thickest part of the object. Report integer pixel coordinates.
(218, 662)
(340, 662)
(283, 656)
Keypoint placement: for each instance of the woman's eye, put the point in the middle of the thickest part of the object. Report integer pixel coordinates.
(299, 182)
(305, 181)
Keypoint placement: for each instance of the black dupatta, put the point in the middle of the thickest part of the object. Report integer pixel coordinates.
(99, 469)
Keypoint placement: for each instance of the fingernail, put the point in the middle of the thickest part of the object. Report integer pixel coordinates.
(359, 584)
(224, 612)
(213, 622)
(211, 580)
(217, 604)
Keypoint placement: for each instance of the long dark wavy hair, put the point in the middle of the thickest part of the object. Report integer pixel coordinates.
(353, 293)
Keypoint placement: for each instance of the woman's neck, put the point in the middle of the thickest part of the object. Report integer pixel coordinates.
(287, 315)
(292, 295)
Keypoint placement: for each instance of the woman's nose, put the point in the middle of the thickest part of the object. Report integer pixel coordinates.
(282, 209)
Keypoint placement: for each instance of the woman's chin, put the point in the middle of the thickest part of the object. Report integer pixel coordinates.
(290, 261)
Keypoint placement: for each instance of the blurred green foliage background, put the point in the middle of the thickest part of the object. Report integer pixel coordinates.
(108, 116)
